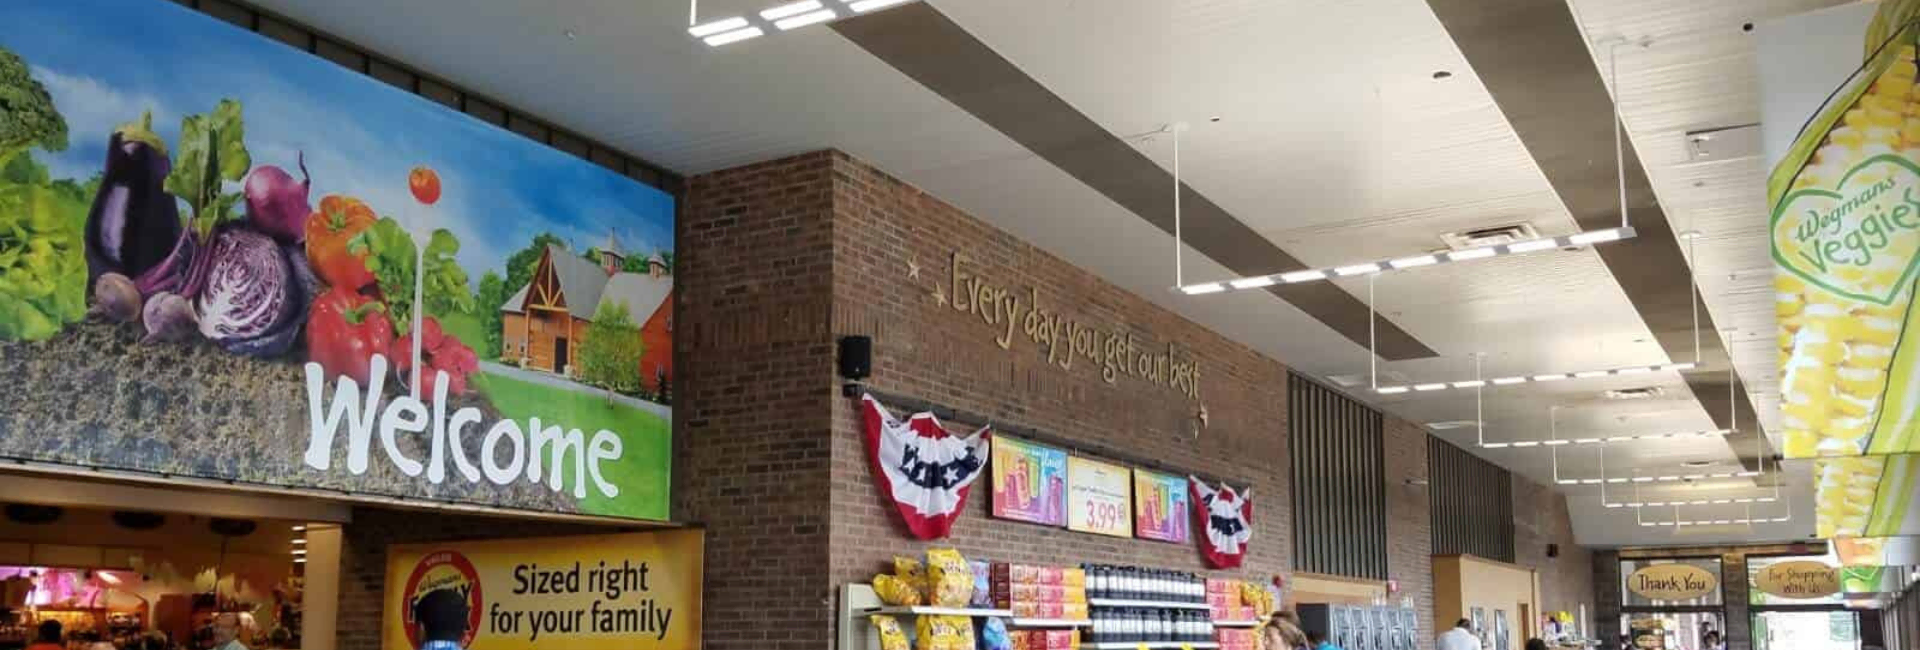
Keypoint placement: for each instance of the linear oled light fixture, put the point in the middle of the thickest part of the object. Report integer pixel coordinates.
(1683, 435)
(1691, 502)
(1541, 378)
(783, 17)
(1671, 478)
(1396, 264)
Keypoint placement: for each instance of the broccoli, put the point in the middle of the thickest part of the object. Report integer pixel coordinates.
(27, 115)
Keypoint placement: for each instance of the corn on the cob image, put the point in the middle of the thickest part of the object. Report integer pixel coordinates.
(1865, 496)
(1846, 240)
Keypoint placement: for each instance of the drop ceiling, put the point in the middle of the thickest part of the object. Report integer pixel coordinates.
(1318, 124)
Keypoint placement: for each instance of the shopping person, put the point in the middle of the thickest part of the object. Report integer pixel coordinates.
(1536, 644)
(1459, 638)
(1282, 635)
(226, 633)
(1712, 642)
(1318, 641)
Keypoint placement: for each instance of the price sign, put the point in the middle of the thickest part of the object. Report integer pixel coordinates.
(1099, 497)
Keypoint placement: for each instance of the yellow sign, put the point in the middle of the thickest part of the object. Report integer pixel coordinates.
(1798, 580)
(1672, 582)
(1099, 497)
(637, 590)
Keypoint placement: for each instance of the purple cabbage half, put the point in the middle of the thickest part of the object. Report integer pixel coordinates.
(250, 293)
(134, 225)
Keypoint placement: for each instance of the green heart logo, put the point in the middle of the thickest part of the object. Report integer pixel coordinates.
(1857, 237)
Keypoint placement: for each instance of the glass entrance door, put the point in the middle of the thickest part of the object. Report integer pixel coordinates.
(1838, 630)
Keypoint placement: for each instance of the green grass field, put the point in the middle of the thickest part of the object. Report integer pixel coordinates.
(467, 328)
(647, 441)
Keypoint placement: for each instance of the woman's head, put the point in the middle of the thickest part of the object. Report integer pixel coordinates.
(1536, 644)
(1281, 634)
(1712, 638)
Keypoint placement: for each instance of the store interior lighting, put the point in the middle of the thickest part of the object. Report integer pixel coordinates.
(1541, 378)
(782, 17)
(1415, 261)
(1714, 433)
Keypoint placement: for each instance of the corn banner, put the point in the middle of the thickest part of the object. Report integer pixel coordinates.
(1842, 126)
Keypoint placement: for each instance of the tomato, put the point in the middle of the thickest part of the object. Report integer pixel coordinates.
(425, 184)
(344, 331)
(328, 231)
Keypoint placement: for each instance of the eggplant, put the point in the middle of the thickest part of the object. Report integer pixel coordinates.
(134, 225)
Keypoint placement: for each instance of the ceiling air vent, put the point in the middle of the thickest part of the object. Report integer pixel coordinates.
(1644, 392)
(1491, 236)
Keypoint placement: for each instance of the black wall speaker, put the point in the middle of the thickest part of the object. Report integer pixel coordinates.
(1553, 550)
(856, 357)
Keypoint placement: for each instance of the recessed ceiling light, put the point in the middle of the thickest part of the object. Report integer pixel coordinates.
(1441, 74)
(1690, 234)
(571, 35)
(1215, 118)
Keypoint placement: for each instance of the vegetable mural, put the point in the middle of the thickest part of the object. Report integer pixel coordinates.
(264, 227)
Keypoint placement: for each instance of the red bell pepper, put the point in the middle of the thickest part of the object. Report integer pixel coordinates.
(345, 330)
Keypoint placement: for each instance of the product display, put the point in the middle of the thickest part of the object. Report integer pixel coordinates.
(1134, 583)
(993, 635)
(1045, 639)
(1040, 592)
(1240, 638)
(1235, 600)
(944, 633)
(1136, 604)
(891, 636)
(949, 579)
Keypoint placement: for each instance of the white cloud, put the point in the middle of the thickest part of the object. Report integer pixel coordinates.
(93, 110)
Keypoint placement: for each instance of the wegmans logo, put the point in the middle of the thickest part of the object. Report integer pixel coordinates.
(1858, 240)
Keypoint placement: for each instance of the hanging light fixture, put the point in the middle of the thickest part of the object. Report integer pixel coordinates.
(782, 17)
(1415, 261)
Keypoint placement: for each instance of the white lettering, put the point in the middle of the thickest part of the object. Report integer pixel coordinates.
(606, 445)
(538, 438)
(437, 458)
(489, 461)
(359, 421)
(407, 414)
(538, 449)
(456, 429)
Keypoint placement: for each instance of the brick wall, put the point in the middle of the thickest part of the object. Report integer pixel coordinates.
(1410, 520)
(751, 462)
(1540, 518)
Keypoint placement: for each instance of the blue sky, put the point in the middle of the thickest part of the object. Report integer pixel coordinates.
(106, 61)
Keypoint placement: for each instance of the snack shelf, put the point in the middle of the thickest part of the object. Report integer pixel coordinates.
(1154, 645)
(1049, 622)
(923, 610)
(1147, 604)
(1236, 623)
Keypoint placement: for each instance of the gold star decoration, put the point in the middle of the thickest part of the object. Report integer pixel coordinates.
(939, 295)
(913, 269)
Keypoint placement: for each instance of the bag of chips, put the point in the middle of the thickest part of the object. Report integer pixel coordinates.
(993, 635)
(943, 633)
(949, 579)
(891, 636)
(909, 569)
(894, 590)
